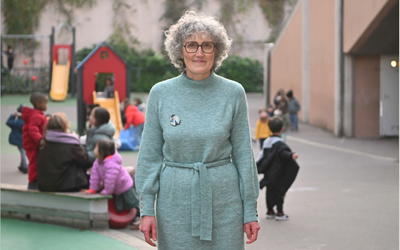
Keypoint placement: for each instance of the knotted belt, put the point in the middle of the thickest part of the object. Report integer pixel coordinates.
(201, 204)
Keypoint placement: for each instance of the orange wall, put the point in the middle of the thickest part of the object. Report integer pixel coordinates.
(322, 63)
(286, 63)
(358, 15)
(366, 94)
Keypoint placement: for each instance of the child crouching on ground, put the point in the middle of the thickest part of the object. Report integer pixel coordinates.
(107, 169)
(278, 164)
(136, 118)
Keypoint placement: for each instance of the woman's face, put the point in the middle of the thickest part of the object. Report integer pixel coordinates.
(108, 82)
(92, 120)
(198, 64)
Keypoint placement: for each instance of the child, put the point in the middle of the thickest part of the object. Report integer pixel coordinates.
(141, 106)
(270, 110)
(294, 108)
(277, 163)
(61, 159)
(108, 169)
(262, 129)
(108, 91)
(100, 128)
(136, 118)
(32, 133)
(16, 124)
(286, 121)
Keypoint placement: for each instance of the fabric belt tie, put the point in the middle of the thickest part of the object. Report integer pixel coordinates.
(201, 203)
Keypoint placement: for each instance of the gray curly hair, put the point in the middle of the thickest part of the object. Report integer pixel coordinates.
(189, 24)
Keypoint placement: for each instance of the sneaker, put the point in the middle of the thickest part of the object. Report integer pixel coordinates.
(33, 185)
(271, 215)
(282, 216)
(22, 169)
(135, 223)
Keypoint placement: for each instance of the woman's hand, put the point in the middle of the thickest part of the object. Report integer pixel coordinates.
(251, 230)
(148, 228)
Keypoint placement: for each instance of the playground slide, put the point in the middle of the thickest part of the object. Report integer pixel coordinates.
(112, 105)
(59, 82)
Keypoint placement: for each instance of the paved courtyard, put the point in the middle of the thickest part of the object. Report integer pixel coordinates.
(346, 195)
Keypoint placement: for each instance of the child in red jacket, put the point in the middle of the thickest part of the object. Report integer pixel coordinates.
(136, 118)
(32, 133)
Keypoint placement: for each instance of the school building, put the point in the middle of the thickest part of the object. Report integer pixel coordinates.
(341, 59)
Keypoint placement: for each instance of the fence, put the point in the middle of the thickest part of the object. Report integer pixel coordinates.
(31, 69)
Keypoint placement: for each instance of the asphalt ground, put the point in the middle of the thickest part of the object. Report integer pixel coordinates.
(346, 195)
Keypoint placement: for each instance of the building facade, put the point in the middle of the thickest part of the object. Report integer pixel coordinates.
(340, 58)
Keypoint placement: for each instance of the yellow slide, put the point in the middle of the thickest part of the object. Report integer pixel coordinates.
(112, 105)
(59, 82)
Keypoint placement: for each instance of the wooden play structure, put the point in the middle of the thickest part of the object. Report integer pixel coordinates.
(112, 105)
(103, 59)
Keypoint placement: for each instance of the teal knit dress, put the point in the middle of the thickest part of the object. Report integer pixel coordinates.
(196, 161)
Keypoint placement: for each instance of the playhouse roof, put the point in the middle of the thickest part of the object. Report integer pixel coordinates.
(94, 51)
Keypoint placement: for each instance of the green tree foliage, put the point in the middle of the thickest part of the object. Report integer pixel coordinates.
(273, 11)
(149, 67)
(21, 16)
(246, 71)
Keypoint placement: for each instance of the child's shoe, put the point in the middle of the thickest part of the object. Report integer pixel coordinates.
(23, 169)
(271, 215)
(282, 216)
(135, 223)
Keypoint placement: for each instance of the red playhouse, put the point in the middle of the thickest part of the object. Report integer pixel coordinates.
(103, 59)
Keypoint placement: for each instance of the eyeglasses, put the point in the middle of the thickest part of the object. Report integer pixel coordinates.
(206, 47)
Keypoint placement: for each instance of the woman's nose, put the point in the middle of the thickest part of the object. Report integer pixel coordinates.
(199, 51)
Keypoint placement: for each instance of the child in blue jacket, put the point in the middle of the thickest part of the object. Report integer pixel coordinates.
(16, 123)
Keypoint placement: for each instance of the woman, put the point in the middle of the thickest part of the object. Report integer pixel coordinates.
(196, 153)
(61, 159)
(100, 127)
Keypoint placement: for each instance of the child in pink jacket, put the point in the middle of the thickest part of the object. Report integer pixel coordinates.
(107, 169)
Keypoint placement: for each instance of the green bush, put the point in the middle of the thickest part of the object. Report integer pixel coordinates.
(246, 71)
(149, 67)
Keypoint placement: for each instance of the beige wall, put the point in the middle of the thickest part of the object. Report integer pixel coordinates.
(322, 63)
(366, 94)
(95, 24)
(358, 16)
(286, 61)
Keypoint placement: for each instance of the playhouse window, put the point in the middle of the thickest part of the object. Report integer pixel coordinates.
(104, 55)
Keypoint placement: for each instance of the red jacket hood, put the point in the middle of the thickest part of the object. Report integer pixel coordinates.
(27, 113)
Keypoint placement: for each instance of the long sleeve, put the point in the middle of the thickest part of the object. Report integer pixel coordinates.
(34, 129)
(285, 155)
(297, 104)
(257, 133)
(243, 158)
(15, 123)
(151, 157)
(94, 177)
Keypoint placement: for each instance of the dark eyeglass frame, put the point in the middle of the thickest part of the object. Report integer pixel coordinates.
(200, 45)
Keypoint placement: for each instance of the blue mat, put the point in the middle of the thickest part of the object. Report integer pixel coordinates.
(127, 139)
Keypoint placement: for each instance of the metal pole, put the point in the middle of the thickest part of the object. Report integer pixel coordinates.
(73, 62)
(1, 77)
(268, 79)
(341, 124)
(51, 57)
(81, 112)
